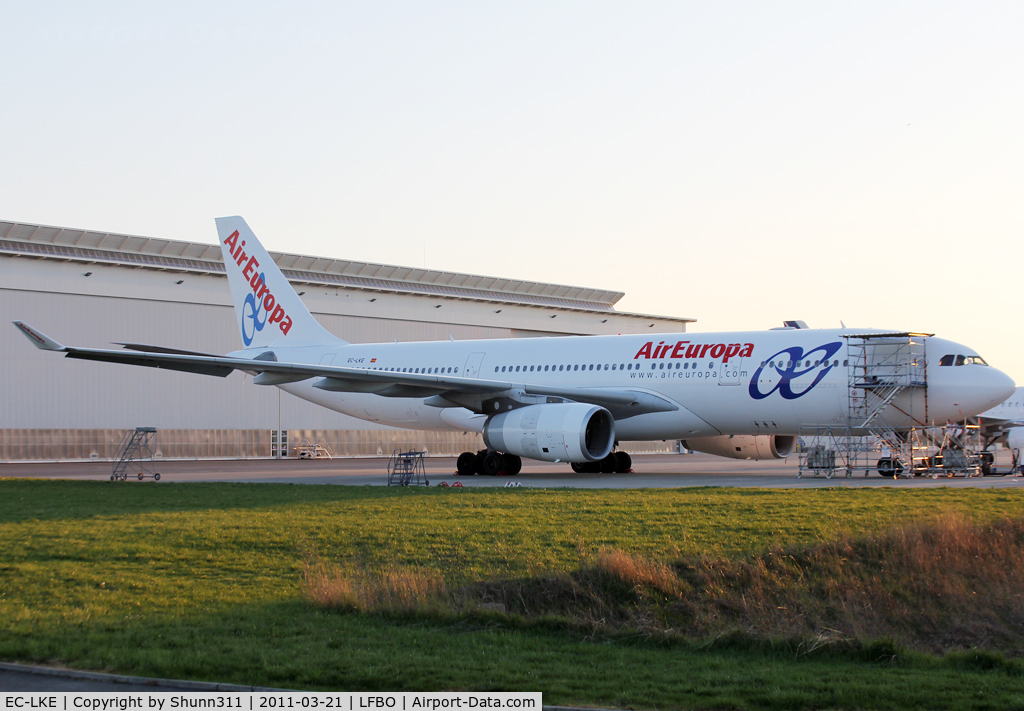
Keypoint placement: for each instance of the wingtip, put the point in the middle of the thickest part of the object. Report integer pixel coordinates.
(39, 339)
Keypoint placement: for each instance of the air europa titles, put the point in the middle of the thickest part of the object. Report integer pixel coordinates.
(265, 299)
(685, 349)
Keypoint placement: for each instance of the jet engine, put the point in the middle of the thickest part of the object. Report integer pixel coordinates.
(744, 446)
(555, 432)
(1015, 438)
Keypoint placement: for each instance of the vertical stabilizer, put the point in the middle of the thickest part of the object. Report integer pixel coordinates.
(266, 306)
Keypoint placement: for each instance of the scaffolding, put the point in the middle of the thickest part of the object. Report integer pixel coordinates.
(135, 455)
(886, 428)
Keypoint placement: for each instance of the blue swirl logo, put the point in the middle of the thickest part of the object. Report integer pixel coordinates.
(792, 364)
(251, 310)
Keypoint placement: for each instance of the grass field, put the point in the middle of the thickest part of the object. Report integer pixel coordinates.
(208, 581)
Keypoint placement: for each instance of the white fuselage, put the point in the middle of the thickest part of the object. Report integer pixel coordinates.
(1011, 409)
(755, 382)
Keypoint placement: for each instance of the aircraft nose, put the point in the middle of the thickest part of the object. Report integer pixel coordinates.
(964, 391)
(988, 388)
(1000, 386)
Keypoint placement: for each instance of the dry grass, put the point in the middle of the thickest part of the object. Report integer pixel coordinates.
(942, 586)
(637, 572)
(936, 587)
(391, 590)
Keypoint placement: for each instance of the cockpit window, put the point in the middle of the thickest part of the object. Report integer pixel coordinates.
(964, 360)
(946, 360)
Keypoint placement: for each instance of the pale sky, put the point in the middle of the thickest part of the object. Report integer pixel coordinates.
(737, 163)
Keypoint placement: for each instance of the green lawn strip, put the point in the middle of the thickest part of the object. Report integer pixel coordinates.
(303, 648)
(204, 581)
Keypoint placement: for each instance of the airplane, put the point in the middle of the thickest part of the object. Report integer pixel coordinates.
(1005, 423)
(742, 395)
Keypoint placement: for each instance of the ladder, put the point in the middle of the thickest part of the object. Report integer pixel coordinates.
(135, 453)
(405, 468)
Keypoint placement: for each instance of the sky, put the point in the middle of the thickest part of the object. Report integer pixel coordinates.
(739, 163)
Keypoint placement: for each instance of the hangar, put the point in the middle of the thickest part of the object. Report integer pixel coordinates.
(91, 289)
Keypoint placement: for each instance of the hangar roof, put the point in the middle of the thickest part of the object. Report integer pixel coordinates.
(46, 242)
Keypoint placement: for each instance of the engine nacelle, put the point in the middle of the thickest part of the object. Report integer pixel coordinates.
(556, 432)
(1015, 438)
(744, 446)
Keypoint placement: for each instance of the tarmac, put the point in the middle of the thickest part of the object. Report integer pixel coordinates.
(658, 471)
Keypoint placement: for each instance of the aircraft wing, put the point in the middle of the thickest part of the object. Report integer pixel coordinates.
(477, 394)
(992, 428)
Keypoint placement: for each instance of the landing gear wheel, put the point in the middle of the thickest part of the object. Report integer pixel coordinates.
(492, 464)
(513, 464)
(467, 464)
(579, 467)
(607, 465)
(889, 467)
(623, 462)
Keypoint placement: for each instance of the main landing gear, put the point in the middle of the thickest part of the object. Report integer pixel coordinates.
(491, 463)
(488, 462)
(614, 463)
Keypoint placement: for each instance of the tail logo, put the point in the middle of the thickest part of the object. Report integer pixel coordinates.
(261, 300)
(251, 311)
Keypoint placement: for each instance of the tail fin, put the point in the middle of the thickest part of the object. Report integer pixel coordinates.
(266, 306)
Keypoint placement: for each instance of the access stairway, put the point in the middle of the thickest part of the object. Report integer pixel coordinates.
(135, 455)
(406, 468)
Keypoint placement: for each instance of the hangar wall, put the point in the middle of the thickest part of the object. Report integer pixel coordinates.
(93, 289)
